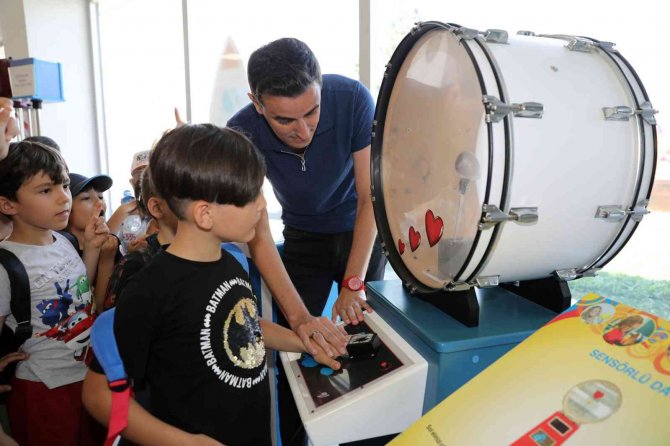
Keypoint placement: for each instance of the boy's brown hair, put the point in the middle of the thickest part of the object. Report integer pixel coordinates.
(206, 162)
(25, 160)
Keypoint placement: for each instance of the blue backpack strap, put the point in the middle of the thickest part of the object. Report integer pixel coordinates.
(107, 353)
(20, 294)
(104, 347)
(235, 251)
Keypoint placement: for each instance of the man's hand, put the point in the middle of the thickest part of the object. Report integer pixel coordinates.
(350, 306)
(319, 333)
(9, 127)
(6, 360)
(96, 232)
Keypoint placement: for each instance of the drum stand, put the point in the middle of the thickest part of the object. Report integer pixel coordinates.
(551, 293)
(461, 305)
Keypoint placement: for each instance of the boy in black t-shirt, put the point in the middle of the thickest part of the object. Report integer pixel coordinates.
(188, 324)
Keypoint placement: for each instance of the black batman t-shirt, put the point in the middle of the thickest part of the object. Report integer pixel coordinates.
(191, 331)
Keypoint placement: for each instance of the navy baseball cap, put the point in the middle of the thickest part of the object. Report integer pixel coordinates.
(79, 182)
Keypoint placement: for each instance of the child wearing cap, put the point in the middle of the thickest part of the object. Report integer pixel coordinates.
(87, 199)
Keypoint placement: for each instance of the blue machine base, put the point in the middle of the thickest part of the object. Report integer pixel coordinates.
(456, 353)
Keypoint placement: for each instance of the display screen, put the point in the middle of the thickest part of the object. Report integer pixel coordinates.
(560, 426)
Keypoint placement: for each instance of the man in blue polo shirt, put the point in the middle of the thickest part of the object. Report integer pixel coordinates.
(315, 132)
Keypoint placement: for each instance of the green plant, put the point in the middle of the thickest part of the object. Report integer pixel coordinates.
(652, 296)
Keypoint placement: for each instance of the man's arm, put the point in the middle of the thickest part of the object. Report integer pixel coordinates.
(350, 304)
(143, 428)
(266, 258)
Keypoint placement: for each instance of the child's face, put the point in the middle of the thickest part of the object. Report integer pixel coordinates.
(82, 208)
(42, 204)
(595, 311)
(628, 326)
(238, 224)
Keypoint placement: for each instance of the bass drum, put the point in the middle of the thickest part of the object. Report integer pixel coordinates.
(501, 158)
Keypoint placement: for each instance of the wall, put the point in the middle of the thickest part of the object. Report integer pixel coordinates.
(59, 31)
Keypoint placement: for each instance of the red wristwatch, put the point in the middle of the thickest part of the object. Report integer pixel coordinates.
(354, 283)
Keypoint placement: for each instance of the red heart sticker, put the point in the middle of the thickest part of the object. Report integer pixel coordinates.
(401, 247)
(598, 394)
(434, 228)
(414, 238)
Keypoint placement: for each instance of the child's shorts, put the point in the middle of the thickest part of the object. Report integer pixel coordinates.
(42, 416)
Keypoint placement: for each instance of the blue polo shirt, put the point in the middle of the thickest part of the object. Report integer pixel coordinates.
(322, 198)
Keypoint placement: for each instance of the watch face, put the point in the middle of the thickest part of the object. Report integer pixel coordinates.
(354, 283)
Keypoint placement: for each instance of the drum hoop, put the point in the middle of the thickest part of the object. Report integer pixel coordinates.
(378, 204)
(489, 175)
(643, 153)
(507, 173)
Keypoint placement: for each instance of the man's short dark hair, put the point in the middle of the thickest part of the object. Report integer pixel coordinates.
(25, 160)
(285, 67)
(206, 162)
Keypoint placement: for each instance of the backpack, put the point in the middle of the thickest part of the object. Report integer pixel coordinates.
(19, 304)
(107, 354)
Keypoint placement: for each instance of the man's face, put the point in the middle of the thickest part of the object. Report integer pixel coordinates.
(293, 120)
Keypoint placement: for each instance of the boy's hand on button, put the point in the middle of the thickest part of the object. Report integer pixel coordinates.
(323, 358)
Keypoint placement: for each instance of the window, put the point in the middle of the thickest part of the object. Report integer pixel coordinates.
(222, 36)
(143, 78)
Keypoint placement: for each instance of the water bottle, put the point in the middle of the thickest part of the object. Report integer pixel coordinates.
(127, 197)
(132, 226)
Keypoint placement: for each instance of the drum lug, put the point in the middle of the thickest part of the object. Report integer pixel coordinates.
(581, 45)
(496, 36)
(493, 216)
(488, 281)
(496, 110)
(457, 286)
(616, 213)
(588, 46)
(572, 274)
(624, 113)
(593, 272)
(566, 274)
(525, 33)
(490, 35)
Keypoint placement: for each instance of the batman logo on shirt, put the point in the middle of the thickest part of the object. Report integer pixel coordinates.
(242, 336)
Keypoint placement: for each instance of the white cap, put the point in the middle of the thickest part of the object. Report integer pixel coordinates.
(140, 159)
